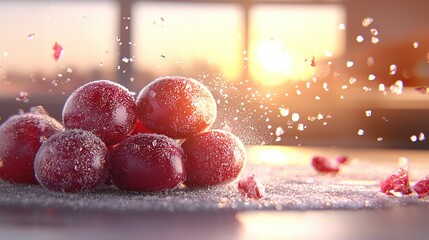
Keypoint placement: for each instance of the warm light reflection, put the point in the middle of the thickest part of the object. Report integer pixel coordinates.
(284, 225)
(278, 155)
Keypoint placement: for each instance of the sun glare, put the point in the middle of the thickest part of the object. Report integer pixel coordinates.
(273, 57)
(285, 40)
(275, 63)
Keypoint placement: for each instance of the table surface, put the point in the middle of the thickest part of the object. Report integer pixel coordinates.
(300, 203)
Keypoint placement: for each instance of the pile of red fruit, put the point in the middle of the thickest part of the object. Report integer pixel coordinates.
(107, 134)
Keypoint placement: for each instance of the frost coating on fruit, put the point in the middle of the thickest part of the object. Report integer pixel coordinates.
(102, 107)
(20, 138)
(148, 162)
(175, 106)
(213, 157)
(72, 161)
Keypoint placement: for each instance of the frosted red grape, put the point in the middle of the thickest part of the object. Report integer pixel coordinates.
(20, 139)
(213, 157)
(148, 162)
(72, 161)
(102, 107)
(178, 107)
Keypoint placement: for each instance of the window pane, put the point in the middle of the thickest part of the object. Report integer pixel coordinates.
(86, 30)
(188, 38)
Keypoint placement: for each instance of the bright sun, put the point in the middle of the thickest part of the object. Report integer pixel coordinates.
(274, 63)
(273, 57)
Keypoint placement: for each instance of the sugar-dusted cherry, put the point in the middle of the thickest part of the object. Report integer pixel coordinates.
(102, 107)
(213, 157)
(175, 106)
(20, 138)
(72, 161)
(147, 163)
(396, 183)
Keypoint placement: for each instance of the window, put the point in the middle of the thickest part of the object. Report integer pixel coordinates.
(188, 38)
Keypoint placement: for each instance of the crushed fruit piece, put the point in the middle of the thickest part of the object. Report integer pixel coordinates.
(422, 90)
(312, 61)
(58, 51)
(325, 165)
(342, 159)
(422, 187)
(251, 187)
(397, 183)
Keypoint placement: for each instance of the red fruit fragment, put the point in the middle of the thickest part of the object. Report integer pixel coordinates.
(251, 187)
(148, 162)
(213, 157)
(102, 107)
(396, 183)
(58, 51)
(72, 161)
(312, 61)
(342, 159)
(422, 187)
(20, 139)
(322, 164)
(177, 107)
(422, 90)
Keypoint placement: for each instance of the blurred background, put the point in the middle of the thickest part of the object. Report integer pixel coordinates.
(284, 72)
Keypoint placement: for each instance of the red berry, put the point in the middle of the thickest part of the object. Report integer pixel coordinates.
(396, 183)
(102, 107)
(20, 139)
(178, 107)
(322, 164)
(148, 162)
(213, 157)
(72, 161)
(422, 187)
(251, 188)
